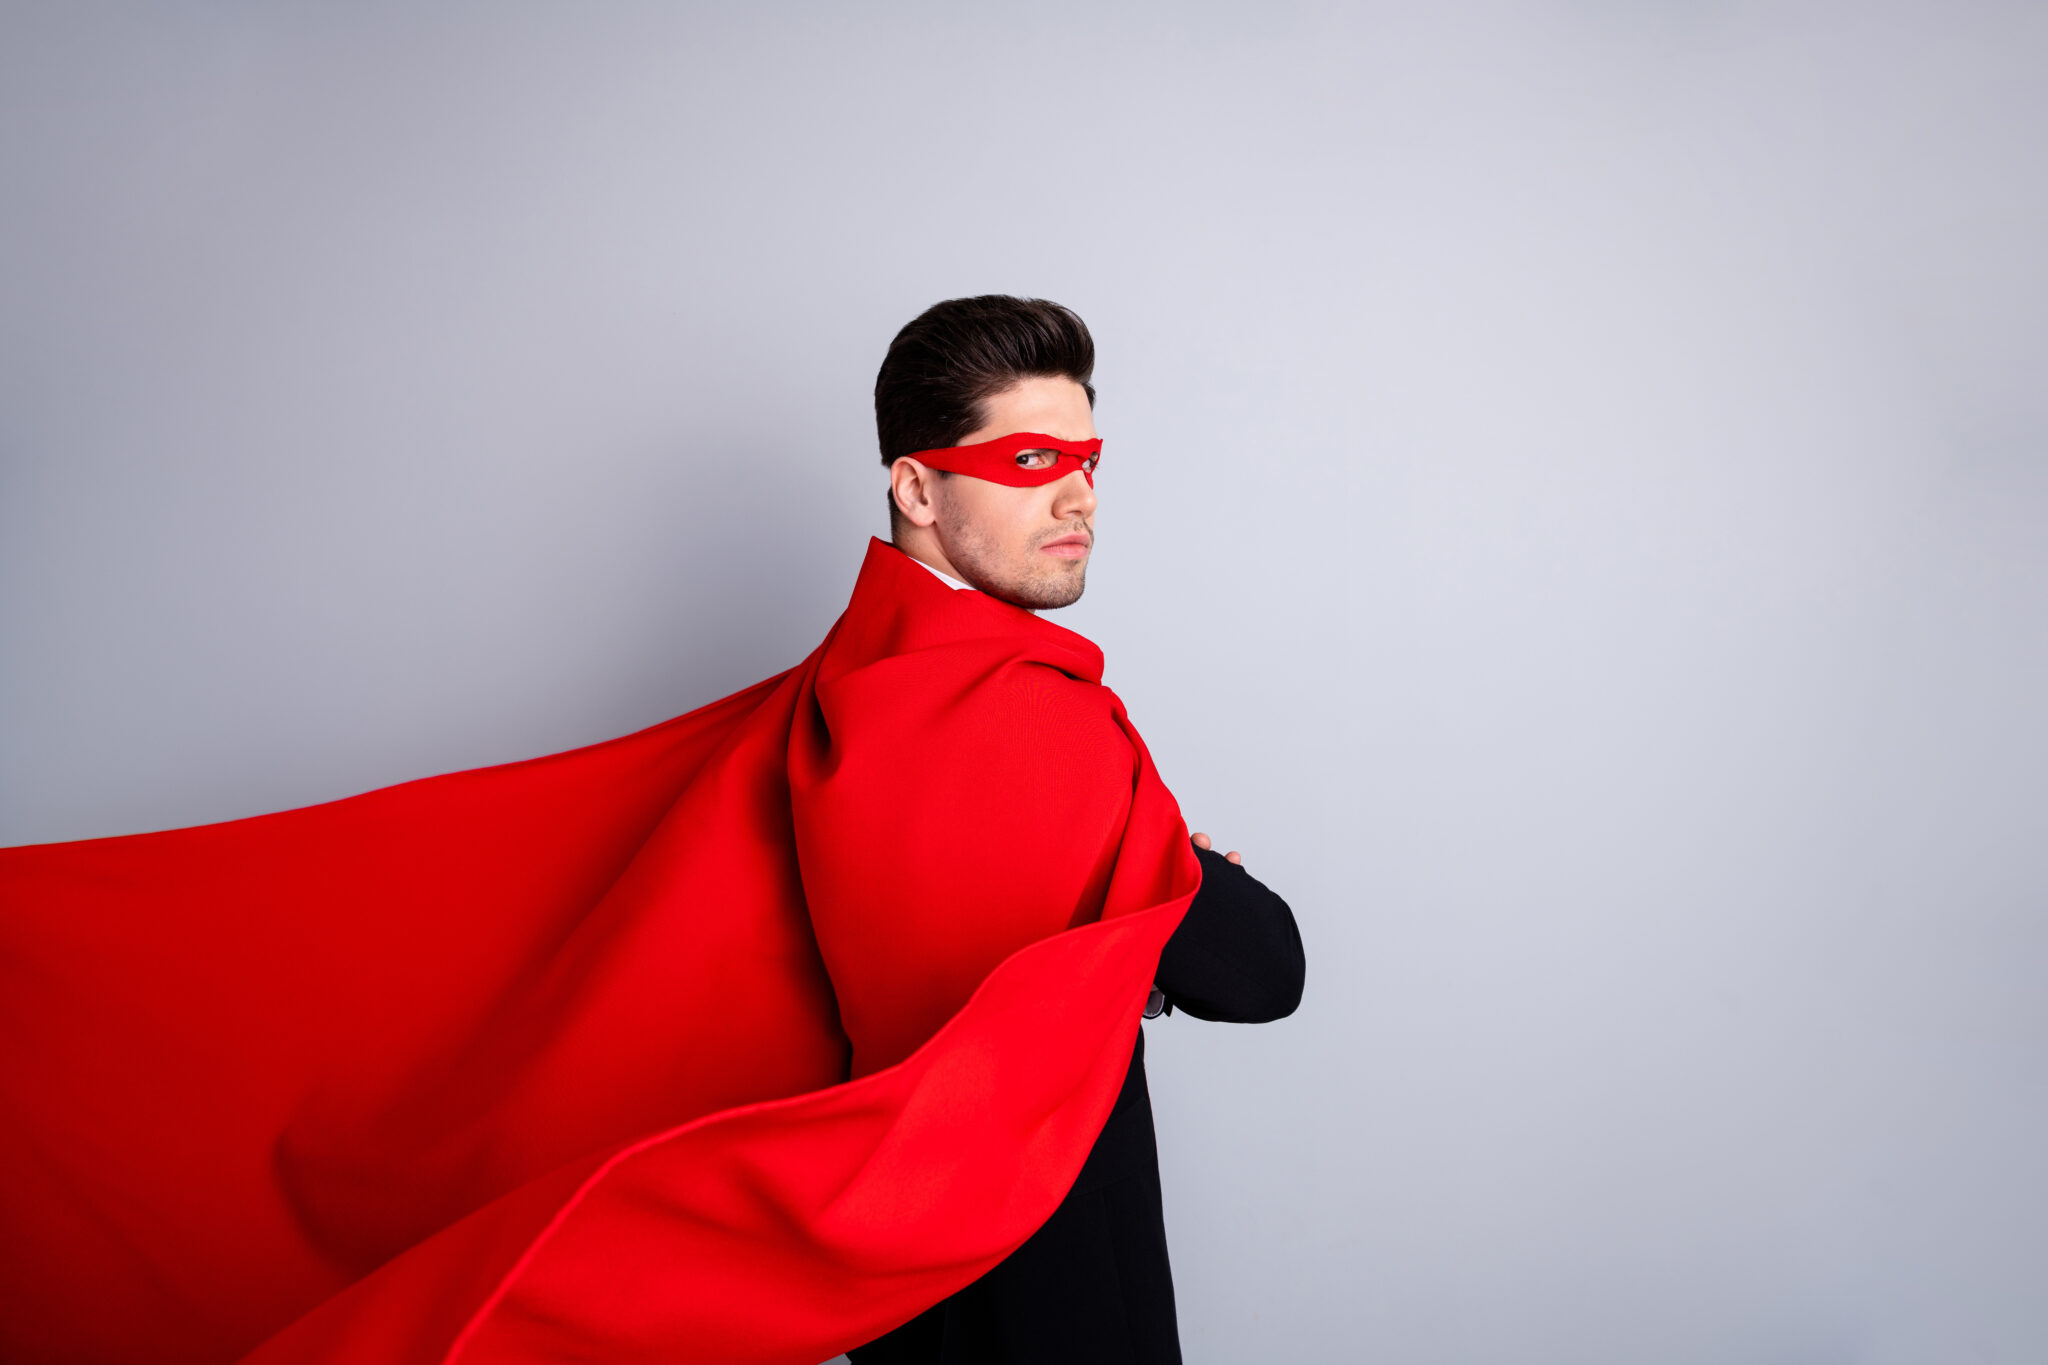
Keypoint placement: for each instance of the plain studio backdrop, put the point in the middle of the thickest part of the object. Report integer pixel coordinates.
(1575, 514)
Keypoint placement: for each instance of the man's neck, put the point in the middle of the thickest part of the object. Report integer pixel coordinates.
(925, 551)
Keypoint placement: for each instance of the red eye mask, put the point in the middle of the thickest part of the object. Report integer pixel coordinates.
(996, 460)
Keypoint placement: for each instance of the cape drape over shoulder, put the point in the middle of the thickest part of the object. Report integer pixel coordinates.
(742, 1038)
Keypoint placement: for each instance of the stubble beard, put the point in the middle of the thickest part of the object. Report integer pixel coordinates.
(1035, 581)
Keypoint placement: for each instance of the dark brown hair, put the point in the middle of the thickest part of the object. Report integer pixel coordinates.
(955, 354)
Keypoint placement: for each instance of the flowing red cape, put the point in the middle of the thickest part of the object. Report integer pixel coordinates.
(742, 1038)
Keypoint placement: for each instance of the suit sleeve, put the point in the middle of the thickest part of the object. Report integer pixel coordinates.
(1237, 955)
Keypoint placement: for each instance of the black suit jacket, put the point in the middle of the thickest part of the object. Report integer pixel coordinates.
(1093, 1286)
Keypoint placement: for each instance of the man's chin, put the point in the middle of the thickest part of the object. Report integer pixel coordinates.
(1036, 583)
(1054, 593)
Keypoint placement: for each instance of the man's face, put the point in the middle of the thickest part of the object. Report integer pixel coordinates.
(1029, 546)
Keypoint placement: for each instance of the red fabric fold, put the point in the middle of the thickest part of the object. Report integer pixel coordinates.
(743, 1038)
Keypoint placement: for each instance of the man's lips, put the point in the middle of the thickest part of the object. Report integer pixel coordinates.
(1068, 547)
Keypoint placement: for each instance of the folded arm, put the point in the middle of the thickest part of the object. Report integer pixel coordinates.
(1237, 955)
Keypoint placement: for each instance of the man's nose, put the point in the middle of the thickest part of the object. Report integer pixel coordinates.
(1075, 497)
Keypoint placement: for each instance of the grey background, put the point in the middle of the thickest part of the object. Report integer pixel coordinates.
(1574, 516)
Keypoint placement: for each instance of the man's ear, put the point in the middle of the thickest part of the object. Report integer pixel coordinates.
(912, 487)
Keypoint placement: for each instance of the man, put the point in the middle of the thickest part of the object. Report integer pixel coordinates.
(750, 1037)
(1093, 1283)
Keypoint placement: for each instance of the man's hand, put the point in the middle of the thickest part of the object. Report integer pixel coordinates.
(1202, 841)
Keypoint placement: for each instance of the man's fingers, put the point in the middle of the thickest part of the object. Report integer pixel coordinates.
(1201, 840)
(1233, 857)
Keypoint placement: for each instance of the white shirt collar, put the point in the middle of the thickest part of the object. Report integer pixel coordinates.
(945, 578)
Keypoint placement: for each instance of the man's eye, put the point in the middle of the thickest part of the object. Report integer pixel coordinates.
(1037, 459)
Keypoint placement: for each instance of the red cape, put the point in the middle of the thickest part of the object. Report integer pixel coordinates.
(550, 1061)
